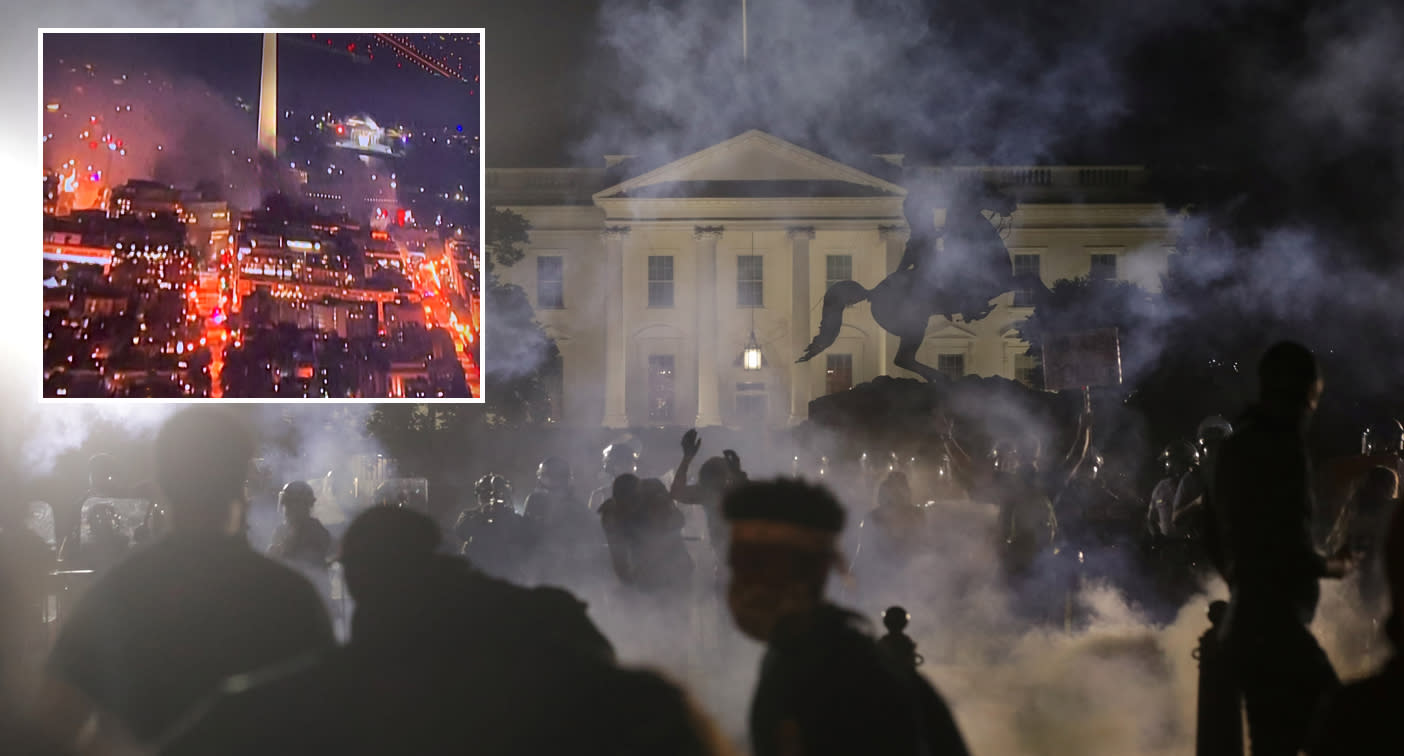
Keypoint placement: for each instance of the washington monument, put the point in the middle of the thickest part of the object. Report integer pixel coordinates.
(268, 97)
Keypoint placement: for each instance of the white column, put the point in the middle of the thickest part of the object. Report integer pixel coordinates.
(708, 373)
(616, 414)
(800, 335)
(895, 240)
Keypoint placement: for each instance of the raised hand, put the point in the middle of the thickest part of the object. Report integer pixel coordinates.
(691, 443)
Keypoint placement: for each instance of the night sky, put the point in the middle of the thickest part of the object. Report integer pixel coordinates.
(311, 75)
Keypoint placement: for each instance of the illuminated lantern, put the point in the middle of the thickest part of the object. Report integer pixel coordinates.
(751, 356)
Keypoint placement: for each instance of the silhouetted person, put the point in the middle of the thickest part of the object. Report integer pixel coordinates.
(615, 514)
(617, 459)
(166, 625)
(825, 687)
(644, 528)
(300, 540)
(716, 476)
(899, 646)
(895, 531)
(1363, 718)
(444, 659)
(1263, 502)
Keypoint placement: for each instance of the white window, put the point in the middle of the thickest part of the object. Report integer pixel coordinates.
(660, 281)
(550, 282)
(837, 268)
(750, 278)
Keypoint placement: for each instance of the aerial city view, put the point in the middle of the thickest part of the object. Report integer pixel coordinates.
(278, 216)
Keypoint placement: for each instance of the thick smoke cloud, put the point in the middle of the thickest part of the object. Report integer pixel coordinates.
(1004, 83)
(166, 122)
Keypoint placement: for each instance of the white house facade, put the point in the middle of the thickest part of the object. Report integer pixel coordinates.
(654, 285)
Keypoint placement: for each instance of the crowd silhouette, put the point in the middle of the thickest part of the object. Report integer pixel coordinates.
(191, 642)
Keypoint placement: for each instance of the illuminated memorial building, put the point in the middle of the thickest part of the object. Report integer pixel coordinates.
(653, 281)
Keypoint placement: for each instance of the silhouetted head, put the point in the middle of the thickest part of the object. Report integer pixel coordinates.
(383, 546)
(1288, 379)
(1385, 437)
(620, 459)
(296, 500)
(714, 474)
(625, 486)
(783, 544)
(202, 460)
(895, 619)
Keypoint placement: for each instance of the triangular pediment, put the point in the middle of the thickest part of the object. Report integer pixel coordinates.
(949, 330)
(753, 164)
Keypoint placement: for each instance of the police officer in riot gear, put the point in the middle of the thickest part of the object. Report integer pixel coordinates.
(492, 532)
(107, 524)
(1381, 445)
(554, 496)
(1176, 460)
(617, 459)
(1192, 511)
(567, 535)
(300, 538)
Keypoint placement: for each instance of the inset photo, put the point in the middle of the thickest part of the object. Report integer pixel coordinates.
(262, 215)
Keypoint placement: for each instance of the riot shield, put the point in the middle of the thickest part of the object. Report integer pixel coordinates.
(107, 521)
(40, 521)
(409, 493)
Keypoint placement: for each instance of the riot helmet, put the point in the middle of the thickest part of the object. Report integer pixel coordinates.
(620, 459)
(553, 472)
(492, 489)
(1213, 431)
(297, 498)
(483, 489)
(1385, 437)
(1179, 458)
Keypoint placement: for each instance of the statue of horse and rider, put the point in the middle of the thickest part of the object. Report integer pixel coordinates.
(960, 276)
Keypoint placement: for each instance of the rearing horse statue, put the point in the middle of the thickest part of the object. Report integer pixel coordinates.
(971, 268)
